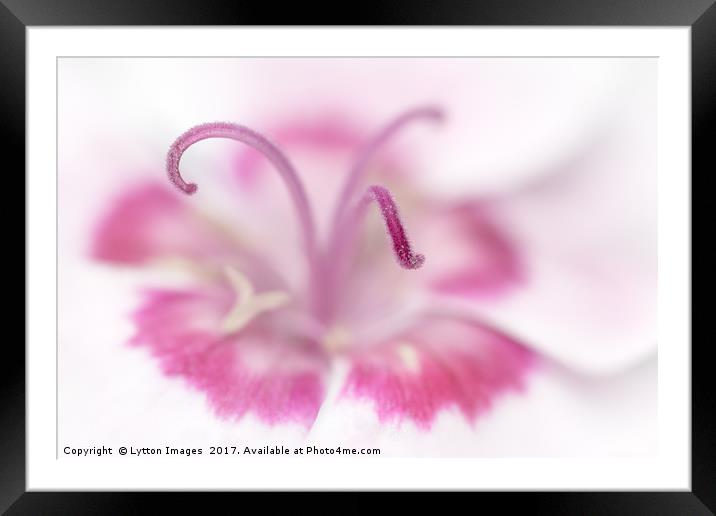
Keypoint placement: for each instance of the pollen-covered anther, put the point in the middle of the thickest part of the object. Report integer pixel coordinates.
(249, 304)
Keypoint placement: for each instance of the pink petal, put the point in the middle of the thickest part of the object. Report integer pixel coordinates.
(440, 363)
(278, 378)
(473, 256)
(149, 221)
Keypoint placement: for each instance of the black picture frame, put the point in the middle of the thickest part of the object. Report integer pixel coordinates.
(17, 15)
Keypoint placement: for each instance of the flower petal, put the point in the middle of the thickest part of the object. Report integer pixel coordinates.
(587, 241)
(562, 414)
(439, 363)
(277, 377)
(473, 256)
(150, 223)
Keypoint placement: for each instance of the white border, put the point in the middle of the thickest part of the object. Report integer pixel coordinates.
(669, 470)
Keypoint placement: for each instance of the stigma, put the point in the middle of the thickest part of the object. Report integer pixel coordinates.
(248, 303)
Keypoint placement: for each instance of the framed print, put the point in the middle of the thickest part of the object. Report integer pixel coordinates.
(384, 256)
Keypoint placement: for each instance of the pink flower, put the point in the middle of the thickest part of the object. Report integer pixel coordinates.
(265, 321)
(534, 204)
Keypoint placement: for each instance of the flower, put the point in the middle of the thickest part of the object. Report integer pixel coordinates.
(264, 338)
(551, 161)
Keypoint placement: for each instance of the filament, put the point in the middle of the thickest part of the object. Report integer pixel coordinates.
(367, 153)
(261, 144)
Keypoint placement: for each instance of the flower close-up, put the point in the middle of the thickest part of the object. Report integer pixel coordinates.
(253, 342)
(464, 266)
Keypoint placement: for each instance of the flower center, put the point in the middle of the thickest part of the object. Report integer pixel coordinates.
(348, 216)
(279, 161)
(248, 304)
(336, 339)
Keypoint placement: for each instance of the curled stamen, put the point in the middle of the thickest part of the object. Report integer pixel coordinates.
(365, 155)
(389, 210)
(258, 142)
